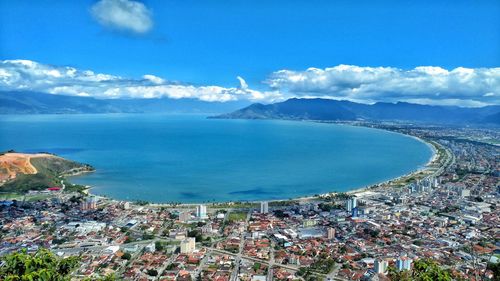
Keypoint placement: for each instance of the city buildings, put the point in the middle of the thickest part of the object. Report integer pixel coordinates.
(350, 204)
(331, 233)
(403, 263)
(89, 204)
(188, 245)
(201, 211)
(264, 207)
(380, 266)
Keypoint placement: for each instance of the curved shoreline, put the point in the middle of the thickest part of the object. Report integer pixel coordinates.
(365, 188)
(355, 191)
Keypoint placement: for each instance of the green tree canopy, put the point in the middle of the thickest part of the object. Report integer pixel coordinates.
(495, 267)
(42, 265)
(423, 270)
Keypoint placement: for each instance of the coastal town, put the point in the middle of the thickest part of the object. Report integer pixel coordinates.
(446, 212)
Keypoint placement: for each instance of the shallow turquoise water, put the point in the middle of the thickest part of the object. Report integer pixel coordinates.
(188, 158)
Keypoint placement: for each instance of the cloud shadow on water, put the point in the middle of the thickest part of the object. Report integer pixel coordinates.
(190, 195)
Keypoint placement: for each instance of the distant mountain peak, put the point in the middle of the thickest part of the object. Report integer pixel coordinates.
(328, 109)
(26, 102)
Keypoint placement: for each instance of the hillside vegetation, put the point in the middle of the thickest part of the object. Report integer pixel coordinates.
(21, 172)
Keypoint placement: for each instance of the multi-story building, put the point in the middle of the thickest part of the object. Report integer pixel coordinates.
(89, 204)
(331, 233)
(380, 266)
(351, 203)
(403, 263)
(188, 245)
(201, 211)
(264, 207)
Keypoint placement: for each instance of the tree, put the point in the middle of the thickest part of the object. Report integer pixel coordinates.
(110, 277)
(325, 207)
(372, 232)
(423, 270)
(196, 234)
(280, 214)
(396, 275)
(302, 271)
(159, 246)
(126, 256)
(152, 272)
(495, 267)
(42, 265)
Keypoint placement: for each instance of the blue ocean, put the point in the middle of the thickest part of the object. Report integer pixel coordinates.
(189, 158)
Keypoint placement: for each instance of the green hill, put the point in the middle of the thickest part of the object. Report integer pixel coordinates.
(50, 170)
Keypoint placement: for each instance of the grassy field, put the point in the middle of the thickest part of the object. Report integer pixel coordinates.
(10, 196)
(27, 197)
(237, 216)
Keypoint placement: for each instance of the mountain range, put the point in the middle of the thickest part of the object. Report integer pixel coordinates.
(341, 110)
(23, 102)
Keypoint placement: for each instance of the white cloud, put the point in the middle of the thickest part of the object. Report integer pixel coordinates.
(124, 15)
(64, 80)
(243, 83)
(426, 84)
(154, 79)
(423, 85)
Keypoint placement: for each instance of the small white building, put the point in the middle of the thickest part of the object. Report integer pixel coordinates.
(150, 247)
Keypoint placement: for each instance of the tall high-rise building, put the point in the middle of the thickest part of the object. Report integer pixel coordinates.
(403, 263)
(188, 245)
(354, 212)
(330, 233)
(380, 266)
(435, 182)
(201, 211)
(351, 203)
(264, 207)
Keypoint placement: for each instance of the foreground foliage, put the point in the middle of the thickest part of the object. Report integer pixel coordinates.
(40, 266)
(423, 270)
(495, 267)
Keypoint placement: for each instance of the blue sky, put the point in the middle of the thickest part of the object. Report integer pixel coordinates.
(213, 42)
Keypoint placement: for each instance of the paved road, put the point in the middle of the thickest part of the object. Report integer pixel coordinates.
(237, 261)
(271, 262)
(286, 266)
